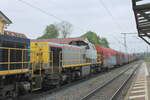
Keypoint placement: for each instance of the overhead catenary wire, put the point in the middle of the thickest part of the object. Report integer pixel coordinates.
(125, 26)
(111, 15)
(52, 15)
(41, 10)
(47, 13)
(113, 19)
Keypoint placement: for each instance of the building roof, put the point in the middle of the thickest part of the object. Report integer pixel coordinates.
(142, 16)
(15, 34)
(5, 18)
(62, 40)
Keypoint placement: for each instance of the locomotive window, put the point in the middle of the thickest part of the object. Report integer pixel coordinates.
(87, 47)
(78, 43)
(73, 43)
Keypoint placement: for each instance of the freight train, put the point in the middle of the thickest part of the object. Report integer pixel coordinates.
(30, 65)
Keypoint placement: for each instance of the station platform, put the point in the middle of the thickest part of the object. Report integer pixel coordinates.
(140, 87)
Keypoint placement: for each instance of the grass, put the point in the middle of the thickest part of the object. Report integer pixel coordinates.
(147, 60)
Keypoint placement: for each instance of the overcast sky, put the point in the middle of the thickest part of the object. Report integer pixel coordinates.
(85, 15)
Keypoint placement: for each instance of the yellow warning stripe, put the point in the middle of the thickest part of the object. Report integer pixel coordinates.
(8, 72)
(76, 65)
(13, 48)
(5, 63)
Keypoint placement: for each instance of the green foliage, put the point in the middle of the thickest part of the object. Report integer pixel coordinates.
(95, 39)
(51, 31)
(92, 37)
(147, 60)
(104, 42)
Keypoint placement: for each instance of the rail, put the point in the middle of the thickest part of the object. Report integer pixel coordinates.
(103, 85)
(115, 95)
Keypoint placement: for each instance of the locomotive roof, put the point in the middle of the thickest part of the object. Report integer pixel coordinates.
(13, 39)
(15, 34)
(62, 40)
(64, 45)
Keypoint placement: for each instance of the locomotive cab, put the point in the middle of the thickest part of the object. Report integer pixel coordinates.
(90, 51)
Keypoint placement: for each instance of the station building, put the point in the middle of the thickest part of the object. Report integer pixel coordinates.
(4, 21)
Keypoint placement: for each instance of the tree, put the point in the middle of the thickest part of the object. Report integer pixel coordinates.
(65, 28)
(95, 39)
(51, 31)
(92, 37)
(104, 42)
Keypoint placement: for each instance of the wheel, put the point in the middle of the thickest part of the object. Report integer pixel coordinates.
(9, 98)
(11, 95)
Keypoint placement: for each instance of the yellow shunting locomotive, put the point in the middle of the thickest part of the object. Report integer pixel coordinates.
(53, 63)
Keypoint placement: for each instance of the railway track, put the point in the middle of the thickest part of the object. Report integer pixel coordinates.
(100, 92)
(117, 93)
(41, 93)
(49, 94)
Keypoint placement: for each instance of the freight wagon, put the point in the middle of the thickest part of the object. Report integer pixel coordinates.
(119, 58)
(108, 55)
(112, 58)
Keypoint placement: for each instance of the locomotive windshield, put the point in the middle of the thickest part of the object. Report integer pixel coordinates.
(78, 43)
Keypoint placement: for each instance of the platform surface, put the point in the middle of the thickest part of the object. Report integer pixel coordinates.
(140, 88)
